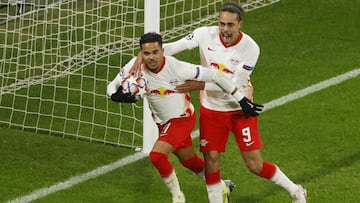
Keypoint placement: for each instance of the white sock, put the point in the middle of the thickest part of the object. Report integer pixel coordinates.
(201, 175)
(282, 180)
(173, 184)
(215, 193)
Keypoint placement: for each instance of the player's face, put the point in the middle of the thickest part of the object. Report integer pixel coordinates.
(152, 55)
(229, 26)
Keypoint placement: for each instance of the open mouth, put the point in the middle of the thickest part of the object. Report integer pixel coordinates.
(226, 36)
(151, 63)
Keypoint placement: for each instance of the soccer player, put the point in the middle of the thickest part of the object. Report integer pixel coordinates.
(173, 111)
(226, 48)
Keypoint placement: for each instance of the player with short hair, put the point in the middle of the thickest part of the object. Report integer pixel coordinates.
(226, 48)
(230, 50)
(172, 111)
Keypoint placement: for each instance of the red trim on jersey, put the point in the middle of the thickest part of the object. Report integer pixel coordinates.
(189, 112)
(233, 44)
(162, 66)
(187, 96)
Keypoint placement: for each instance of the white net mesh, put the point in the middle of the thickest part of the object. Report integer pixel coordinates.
(56, 58)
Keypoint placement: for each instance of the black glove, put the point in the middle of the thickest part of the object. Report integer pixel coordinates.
(249, 108)
(119, 96)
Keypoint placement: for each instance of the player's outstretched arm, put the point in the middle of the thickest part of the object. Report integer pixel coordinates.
(190, 85)
(193, 85)
(248, 107)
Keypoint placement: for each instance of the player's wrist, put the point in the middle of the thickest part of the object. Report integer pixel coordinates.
(237, 94)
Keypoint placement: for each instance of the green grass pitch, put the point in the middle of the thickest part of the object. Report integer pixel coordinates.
(314, 140)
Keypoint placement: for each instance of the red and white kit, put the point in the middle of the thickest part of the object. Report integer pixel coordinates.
(164, 102)
(236, 61)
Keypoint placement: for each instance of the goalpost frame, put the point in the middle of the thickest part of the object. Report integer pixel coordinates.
(151, 24)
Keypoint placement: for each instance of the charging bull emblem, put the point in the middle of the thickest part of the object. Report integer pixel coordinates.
(162, 91)
(221, 67)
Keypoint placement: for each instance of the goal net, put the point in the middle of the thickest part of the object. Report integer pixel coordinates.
(57, 57)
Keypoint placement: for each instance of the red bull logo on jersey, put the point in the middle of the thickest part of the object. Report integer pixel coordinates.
(221, 67)
(162, 91)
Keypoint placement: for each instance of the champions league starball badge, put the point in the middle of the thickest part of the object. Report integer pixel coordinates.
(190, 36)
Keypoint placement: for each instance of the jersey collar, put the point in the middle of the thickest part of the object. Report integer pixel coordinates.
(162, 66)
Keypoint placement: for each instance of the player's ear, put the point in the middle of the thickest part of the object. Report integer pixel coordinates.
(240, 24)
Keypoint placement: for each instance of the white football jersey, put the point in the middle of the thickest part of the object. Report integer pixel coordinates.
(164, 102)
(236, 62)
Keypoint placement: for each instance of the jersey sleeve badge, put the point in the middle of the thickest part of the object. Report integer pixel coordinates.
(190, 36)
(248, 68)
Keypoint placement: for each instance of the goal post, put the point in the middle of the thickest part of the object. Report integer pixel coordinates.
(57, 57)
(152, 24)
